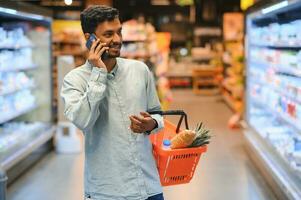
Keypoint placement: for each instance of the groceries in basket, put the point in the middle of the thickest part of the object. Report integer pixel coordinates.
(177, 166)
(189, 138)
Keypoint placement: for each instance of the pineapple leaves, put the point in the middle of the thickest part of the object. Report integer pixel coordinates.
(202, 136)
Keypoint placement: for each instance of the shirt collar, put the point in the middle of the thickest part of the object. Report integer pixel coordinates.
(114, 70)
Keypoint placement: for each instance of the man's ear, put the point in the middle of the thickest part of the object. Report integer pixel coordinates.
(87, 35)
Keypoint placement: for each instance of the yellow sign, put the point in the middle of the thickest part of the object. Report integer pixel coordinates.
(60, 25)
(244, 4)
(185, 2)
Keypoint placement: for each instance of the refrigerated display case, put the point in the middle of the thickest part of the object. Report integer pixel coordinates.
(273, 94)
(26, 119)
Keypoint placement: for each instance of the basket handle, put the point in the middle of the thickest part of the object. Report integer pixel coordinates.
(173, 112)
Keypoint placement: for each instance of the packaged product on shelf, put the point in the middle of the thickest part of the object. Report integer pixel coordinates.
(14, 133)
(24, 99)
(14, 38)
(286, 33)
(274, 33)
(299, 59)
(296, 154)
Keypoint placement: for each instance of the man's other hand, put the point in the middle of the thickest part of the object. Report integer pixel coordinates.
(143, 123)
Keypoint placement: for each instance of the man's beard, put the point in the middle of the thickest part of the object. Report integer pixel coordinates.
(115, 46)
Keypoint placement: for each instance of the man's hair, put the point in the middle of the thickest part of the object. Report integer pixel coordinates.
(94, 15)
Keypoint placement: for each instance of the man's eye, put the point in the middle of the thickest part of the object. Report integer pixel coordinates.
(108, 35)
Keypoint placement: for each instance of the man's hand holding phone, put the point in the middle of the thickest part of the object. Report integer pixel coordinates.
(97, 49)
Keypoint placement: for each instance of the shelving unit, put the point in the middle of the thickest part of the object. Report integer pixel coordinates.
(74, 47)
(30, 87)
(137, 40)
(20, 68)
(67, 40)
(16, 114)
(273, 104)
(26, 120)
(232, 85)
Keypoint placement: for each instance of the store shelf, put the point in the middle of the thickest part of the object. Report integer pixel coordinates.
(74, 53)
(229, 101)
(15, 47)
(78, 42)
(278, 46)
(227, 88)
(273, 166)
(285, 94)
(278, 58)
(203, 57)
(289, 71)
(234, 41)
(283, 156)
(17, 90)
(278, 68)
(131, 41)
(277, 90)
(23, 68)
(282, 116)
(7, 118)
(135, 55)
(27, 149)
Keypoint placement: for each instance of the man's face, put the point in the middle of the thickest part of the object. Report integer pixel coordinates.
(109, 32)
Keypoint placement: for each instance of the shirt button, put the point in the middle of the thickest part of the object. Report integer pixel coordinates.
(110, 77)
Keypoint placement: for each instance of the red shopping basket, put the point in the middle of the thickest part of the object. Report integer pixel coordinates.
(175, 166)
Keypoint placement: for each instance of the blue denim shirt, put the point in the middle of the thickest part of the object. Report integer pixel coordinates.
(119, 164)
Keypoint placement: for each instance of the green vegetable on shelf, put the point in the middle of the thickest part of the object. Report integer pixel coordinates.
(202, 136)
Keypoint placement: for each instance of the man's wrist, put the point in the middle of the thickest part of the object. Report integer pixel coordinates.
(155, 126)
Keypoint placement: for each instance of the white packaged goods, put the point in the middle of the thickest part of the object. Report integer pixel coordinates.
(67, 139)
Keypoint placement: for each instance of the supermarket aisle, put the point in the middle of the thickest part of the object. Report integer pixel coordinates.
(224, 172)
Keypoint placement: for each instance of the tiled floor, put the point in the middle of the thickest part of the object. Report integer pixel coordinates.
(225, 172)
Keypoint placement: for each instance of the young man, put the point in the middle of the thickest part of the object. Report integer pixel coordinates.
(109, 100)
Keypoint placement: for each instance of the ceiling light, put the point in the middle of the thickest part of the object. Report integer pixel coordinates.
(274, 7)
(68, 2)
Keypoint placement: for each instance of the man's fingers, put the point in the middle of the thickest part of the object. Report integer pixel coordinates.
(94, 44)
(141, 119)
(145, 114)
(99, 47)
(135, 120)
(136, 129)
(136, 125)
(102, 51)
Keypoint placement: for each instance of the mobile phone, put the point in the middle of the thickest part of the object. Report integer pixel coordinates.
(89, 43)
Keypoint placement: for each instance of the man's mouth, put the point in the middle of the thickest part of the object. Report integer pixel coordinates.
(117, 47)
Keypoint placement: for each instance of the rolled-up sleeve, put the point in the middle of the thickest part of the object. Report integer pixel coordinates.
(82, 98)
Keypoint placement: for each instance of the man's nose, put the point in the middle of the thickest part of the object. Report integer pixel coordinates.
(117, 37)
